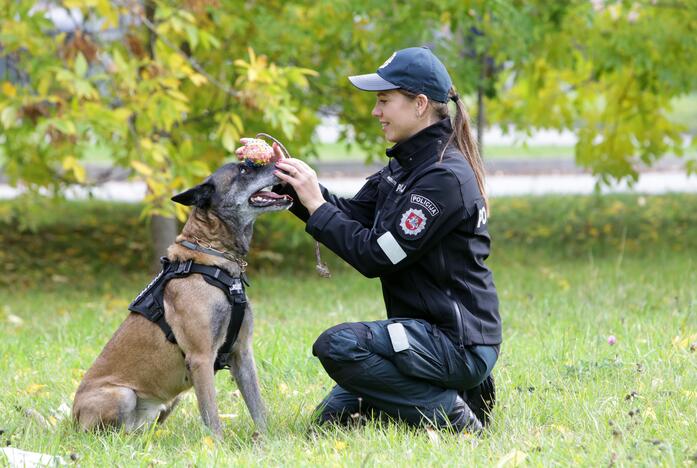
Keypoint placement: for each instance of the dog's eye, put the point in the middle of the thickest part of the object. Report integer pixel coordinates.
(243, 170)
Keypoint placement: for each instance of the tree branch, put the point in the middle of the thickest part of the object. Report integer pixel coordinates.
(190, 60)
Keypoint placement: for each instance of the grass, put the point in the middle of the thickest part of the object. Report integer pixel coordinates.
(566, 283)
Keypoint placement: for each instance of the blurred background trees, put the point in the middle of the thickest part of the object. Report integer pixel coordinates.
(165, 89)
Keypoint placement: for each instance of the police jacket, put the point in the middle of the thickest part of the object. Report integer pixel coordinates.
(420, 225)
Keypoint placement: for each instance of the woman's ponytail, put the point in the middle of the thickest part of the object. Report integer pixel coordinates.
(462, 135)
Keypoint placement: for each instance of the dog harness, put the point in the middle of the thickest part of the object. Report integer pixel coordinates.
(150, 302)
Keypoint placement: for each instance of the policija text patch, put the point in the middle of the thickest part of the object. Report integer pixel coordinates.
(414, 221)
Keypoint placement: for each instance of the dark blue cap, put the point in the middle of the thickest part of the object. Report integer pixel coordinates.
(415, 69)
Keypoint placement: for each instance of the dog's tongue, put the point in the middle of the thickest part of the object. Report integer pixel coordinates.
(268, 194)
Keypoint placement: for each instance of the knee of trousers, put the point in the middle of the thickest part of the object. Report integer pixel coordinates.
(342, 345)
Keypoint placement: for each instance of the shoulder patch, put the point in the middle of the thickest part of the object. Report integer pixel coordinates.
(412, 223)
(425, 202)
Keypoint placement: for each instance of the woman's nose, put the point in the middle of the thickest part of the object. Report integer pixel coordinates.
(375, 112)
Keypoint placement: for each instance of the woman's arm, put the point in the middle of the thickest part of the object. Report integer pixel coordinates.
(421, 217)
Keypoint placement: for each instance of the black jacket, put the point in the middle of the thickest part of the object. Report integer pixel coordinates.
(420, 225)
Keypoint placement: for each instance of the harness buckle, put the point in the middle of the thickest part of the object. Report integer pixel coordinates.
(159, 312)
(236, 287)
(184, 267)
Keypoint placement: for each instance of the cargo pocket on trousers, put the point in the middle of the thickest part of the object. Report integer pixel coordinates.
(420, 359)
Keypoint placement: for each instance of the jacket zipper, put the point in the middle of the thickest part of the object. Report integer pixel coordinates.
(456, 308)
(375, 220)
(460, 327)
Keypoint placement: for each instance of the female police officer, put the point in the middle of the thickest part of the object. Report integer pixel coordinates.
(420, 225)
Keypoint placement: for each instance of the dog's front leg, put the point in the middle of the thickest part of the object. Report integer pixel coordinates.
(244, 371)
(201, 371)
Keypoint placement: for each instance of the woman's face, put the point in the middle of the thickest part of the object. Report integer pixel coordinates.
(397, 115)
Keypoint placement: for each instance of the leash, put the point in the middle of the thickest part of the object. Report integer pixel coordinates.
(320, 266)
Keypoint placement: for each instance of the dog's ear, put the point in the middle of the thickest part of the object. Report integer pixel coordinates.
(199, 196)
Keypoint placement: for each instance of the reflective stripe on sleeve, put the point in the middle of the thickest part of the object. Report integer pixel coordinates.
(391, 247)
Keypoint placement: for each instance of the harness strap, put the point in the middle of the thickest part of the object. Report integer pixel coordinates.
(150, 302)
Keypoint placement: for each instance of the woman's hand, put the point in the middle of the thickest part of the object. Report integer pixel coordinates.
(303, 179)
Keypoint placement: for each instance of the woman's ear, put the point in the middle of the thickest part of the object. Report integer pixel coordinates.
(421, 105)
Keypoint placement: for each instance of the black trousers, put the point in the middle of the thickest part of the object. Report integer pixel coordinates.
(414, 384)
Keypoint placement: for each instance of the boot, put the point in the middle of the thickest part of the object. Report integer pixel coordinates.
(462, 419)
(481, 399)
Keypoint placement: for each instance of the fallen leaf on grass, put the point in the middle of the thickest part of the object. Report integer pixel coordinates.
(650, 413)
(38, 418)
(684, 342)
(59, 279)
(62, 412)
(21, 458)
(433, 436)
(34, 388)
(513, 458)
(339, 445)
(15, 320)
(562, 429)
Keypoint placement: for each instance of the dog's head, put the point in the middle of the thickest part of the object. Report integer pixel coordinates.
(237, 193)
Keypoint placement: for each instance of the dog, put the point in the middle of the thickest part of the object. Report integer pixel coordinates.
(139, 376)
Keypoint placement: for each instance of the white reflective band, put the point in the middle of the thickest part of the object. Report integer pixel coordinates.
(391, 247)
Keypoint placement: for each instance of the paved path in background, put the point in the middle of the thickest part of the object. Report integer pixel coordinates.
(498, 185)
(506, 177)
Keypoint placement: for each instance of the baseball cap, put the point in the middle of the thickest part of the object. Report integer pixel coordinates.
(415, 69)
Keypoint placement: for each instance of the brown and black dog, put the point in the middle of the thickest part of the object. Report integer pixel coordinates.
(139, 375)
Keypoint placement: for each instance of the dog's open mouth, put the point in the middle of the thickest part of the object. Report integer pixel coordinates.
(265, 198)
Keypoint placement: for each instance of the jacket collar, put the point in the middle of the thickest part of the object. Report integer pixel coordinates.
(421, 146)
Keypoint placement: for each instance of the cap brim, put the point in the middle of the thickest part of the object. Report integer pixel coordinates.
(371, 82)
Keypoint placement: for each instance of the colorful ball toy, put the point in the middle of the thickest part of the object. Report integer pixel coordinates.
(256, 152)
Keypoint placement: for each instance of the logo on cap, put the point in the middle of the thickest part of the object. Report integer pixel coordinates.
(387, 62)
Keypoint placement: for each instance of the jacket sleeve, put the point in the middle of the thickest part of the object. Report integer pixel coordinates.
(402, 233)
(360, 208)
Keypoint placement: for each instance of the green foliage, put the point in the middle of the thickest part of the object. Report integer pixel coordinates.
(144, 100)
(608, 70)
(170, 99)
(572, 225)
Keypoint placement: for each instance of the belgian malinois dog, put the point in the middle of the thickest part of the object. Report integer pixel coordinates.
(139, 375)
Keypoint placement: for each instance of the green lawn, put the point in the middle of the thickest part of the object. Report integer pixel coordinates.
(571, 271)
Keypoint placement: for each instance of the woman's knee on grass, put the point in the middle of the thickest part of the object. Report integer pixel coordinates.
(342, 345)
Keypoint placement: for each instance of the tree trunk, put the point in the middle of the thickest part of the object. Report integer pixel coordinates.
(163, 231)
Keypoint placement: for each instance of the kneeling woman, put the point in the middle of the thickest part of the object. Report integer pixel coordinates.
(420, 225)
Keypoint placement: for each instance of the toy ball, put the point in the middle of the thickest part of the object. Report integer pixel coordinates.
(611, 340)
(256, 152)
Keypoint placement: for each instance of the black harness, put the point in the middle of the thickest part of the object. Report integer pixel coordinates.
(150, 302)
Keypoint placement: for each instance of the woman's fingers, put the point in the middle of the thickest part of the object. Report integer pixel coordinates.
(298, 165)
(277, 151)
(286, 168)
